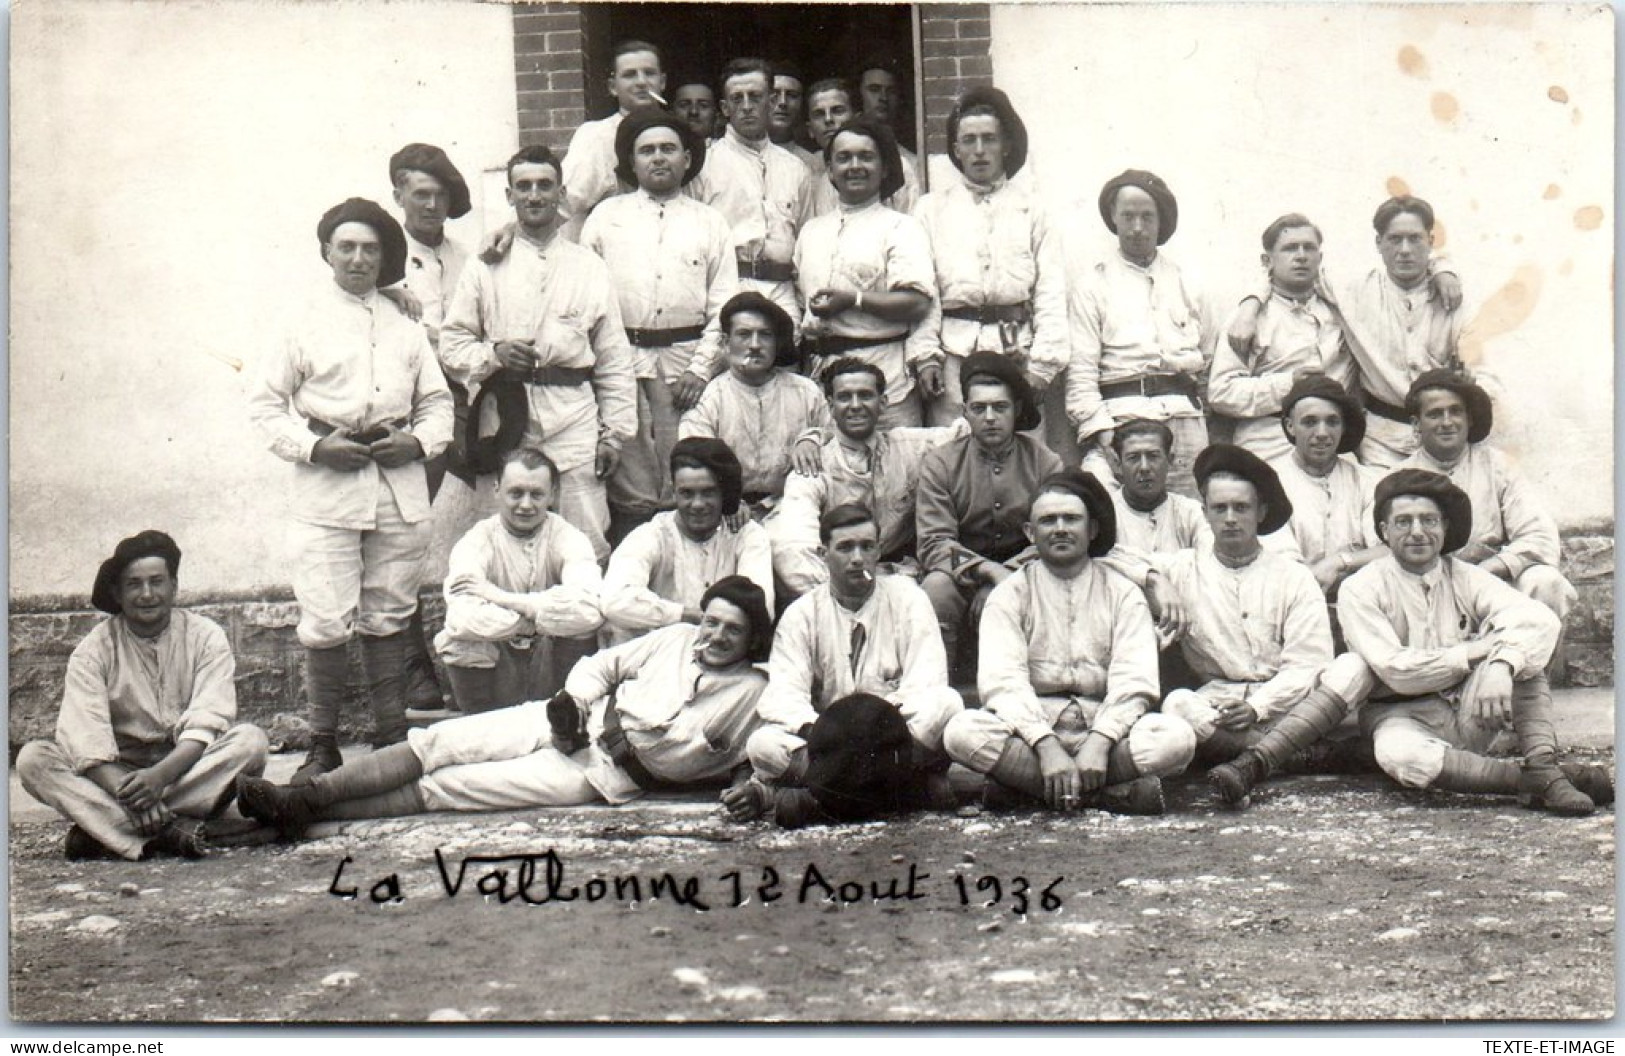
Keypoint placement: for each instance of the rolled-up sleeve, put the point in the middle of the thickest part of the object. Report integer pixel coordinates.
(213, 705)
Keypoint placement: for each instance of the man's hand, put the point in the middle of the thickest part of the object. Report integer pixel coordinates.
(406, 301)
(1167, 608)
(1446, 289)
(142, 790)
(151, 821)
(827, 302)
(686, 391)
(337, 451)
(807, 457)
(1092, 760)
(1061, 788)
(1244, 327)
(735, 522)
(497, 243)
(516, 355)
(1496, 567)
(605, 462)
(1235, 715)
(930, 380)
(1488, 700)
(1327, 572)
(397, 448)
(747, 800)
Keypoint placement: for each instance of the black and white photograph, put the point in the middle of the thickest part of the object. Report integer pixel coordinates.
(880, 514)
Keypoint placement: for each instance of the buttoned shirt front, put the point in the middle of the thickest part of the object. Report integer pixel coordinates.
(351, 363)
(1508, 518)
(657, 571)
(1292, 335)
(554, 568)
(759, 422)
(123, 692)
(1331, 514)
(972, 503)
(1176, 523)
(761, 189)
(673, 266)
(1087, 636)
(1397, 334)
(560, 297)
(431, 274)
(992, 246)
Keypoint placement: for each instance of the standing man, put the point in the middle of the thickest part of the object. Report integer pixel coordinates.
(696, 103)
(1143, 333)
(829, 108)
(544, 321)
(1298, 332)
(354, 398)
(999, 271)
(974, 495)
(636, 80)
(1068, 670)
(147, 746)
(518, 585)
(761, 189)
(866, 275)
(880, 95)
(784, 119)
(674, 269)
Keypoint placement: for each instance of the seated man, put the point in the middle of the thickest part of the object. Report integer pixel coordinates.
(1258, 634)
(523, 574)
(675, 708)
(856, 634)
(1068, 673)
(974, 493)
(1457, 653)
(859, 464)
(757, 407)
(659, 572)
(1150, 518)
(146, 744)
(1513, 537)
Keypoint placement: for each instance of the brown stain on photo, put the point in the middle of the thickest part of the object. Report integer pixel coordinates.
(1505, 310)
(1566, 268)
(1574, 118)
(1445, 107)
(1412, 62)
(1552, 191)
(1557, 94)
(1397, 188)
(1440, 236)
(1588, 217)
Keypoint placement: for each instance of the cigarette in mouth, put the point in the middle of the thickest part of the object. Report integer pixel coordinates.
(868, 576)
(657, 97)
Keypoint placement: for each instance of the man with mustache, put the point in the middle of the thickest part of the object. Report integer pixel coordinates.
(830, 105)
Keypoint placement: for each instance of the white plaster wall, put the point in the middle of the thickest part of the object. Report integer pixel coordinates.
(169, 164)
(1502, 117)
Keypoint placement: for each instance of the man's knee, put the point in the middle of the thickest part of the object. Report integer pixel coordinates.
(772, 752)
(1350, 677)
(947, 600)
(1547, 585)
(932, 714)
(1161, 744)
(1193, 710)
(975, 738)
(456, 651)
(1408, 757)
(37, 760)
(245, 747)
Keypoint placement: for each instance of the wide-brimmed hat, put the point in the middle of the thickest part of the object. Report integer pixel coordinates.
(1096, 499)
(1240, 462)
(504, 392)
(785, 352)
(391, 239)
(1003, 369)
(636, 124)
(1150, 183)
(1325, 387)
(858, 759)
(150, 543)
(425, 157)
(716, 456)
(750, 599)
(885, 142)
(1011, 127)
(1480, 409)
(1422, 483)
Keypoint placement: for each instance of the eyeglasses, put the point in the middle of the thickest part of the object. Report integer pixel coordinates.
(1428, 522)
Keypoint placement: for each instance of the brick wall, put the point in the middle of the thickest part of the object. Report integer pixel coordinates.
(547, 57)
(954, 42)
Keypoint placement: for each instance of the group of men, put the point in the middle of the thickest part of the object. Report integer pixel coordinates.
(769, 453)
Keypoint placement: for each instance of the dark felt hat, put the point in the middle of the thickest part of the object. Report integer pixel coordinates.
(720, 459)
(1002, 368)
(482, 450)
(150, 543)
(750, 599)
(636, 124)
(1011, 127)
(1453, 502)
(885, 141)
(1096, 499)
(1480, 409)
(785, 352)
(391, 239)
(1150, 183)
(425, 157)
(1323, 387)
(858, 759)
(1240, 462)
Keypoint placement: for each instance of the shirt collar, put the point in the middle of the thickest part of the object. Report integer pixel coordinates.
(980, 191)
(861, 207)
(742, 143)
(365, 300)
(1136, 266)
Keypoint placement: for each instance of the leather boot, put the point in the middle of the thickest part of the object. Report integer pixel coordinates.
(473, 688)
(423, 688)
(1593, 781)
(324, 756)
(1143, 795)
(1221, 746)
(1542, 785)
(289, 810)
(327, 677)
(384, 658)
(1235, 779)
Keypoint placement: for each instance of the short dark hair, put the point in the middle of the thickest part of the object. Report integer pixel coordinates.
(1272, 233)
(1399, 205)
(741, 67)
(853, 365)
(830, 84)
(786, 68)
(630, 47)
(884, 63)
(530, 458)
(956, 115)
(536, 154)
(1143, 427)
(846, 515)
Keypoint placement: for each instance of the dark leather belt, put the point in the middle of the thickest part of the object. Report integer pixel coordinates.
(662, 338)
(1151, 385)
(563, 377)
(613, 741)
(835, 345)
(989, 314)
(767, 270)
(755, 498)
(370, 435)
(1384, 409)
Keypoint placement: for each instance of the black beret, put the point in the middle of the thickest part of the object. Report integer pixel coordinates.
(1324, 387)
(150, 543)
(720, 459)
(744, 594)
(1480, 410)
(424, 157)
(885, 141)
(635, 124)
(1096, 499)
(1011, 126)
(1003, 369)
(391, 239)
(858, 759)
(1240, 462)
(1150, 183)
(1453, 502)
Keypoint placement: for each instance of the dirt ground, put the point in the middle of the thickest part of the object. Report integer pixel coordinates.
(1332, 898)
